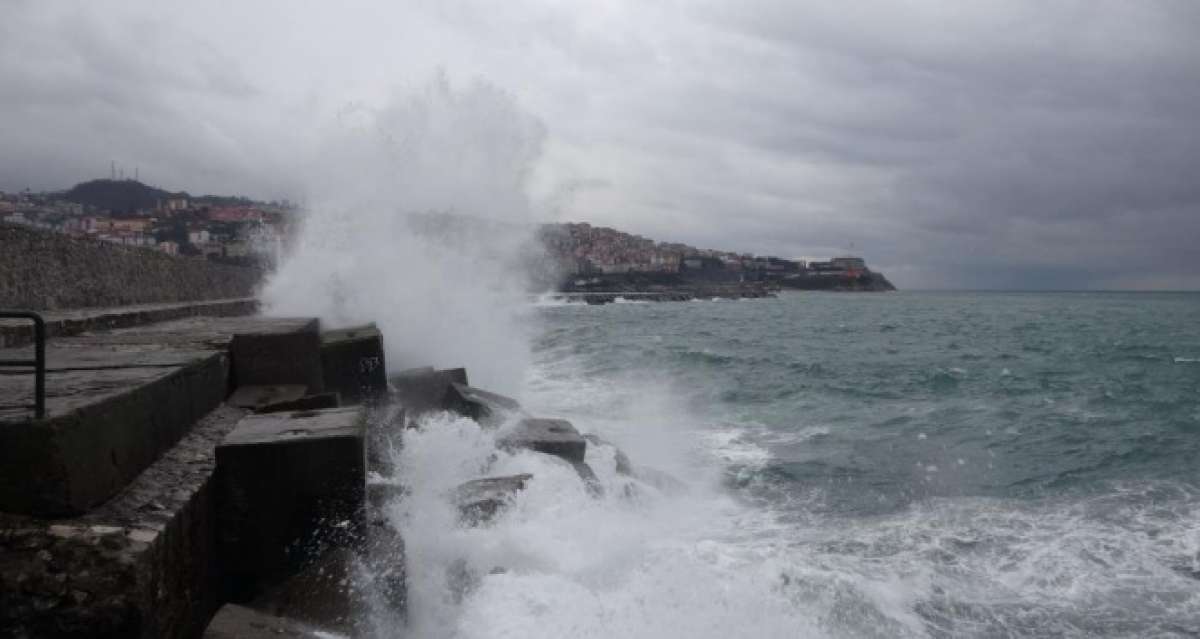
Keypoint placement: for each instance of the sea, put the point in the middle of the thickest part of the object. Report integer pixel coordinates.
(911, 464)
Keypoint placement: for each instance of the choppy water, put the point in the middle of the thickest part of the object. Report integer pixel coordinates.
(926, 465)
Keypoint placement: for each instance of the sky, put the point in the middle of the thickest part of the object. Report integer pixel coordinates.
(984, 144)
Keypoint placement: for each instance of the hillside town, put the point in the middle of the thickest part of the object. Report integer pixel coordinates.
(127, 212)
(585, 250)
(242, 231)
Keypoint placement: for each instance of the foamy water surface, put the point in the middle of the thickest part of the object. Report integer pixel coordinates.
(856, 466)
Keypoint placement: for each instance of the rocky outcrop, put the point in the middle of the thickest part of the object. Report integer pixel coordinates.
(868, 282)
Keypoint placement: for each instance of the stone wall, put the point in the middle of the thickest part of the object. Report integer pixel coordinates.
(40, 270)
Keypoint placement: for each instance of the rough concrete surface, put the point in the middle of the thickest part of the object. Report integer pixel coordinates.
(239, 622)
(110, 414)
(353, 363)
(551, 436)
(256, 397)
(41, 270)
(275, 357)
(485, 407)
(291, 483)
(479, 500)
(142, 565)
(64, 323)
(115, 400)
(154, 560)
(420, 390)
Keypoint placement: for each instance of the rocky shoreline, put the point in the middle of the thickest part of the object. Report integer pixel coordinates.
(752, 290)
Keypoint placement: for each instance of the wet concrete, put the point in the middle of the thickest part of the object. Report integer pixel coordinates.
(239, 622)
(551, 436)
(65, 323)
(480, 500)
(144, 564)
(291, 485)
(353, 363)
(485, 407)
(420, 390)
(115, 401)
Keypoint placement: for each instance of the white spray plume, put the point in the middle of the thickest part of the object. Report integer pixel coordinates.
(451, 294)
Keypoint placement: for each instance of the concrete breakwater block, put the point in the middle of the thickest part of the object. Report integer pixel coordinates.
(420, 390)
(485, 407)
(385, 423)
(590, 481)
(479, 500)
(289, 483)
(239, 622)
(111, 412)
(143, 565)
(256, 397)
(623, 465)
(318, 401)
(353, 363)
(277, 357)
(322, 593)
(551, 436)
(65, 323)
(345, 588)
(384, 552)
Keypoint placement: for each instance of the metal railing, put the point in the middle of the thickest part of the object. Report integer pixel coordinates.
(38, 363)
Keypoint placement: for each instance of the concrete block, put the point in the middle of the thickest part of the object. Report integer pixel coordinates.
(482, 406)
(479, 501)
(589, 479)
(291, 484)
(385, 423)
(348, 587)
(386, 590)
(380, 494)
(142, 565)
(278, 357)
(319, 401)
(420, 390)
(353, 364)
(108, 420)
(322, 593)
(551, 436)
(623, 465)
(255, 397)
(239, 622)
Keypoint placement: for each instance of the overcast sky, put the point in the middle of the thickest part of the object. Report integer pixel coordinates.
(970, 144)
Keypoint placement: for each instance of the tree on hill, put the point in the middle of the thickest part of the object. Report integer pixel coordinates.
(118, 196)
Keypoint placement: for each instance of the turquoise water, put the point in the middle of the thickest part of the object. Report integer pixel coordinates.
(918, 464)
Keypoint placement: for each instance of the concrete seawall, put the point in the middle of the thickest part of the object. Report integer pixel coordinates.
(227, 476)
(41, 270)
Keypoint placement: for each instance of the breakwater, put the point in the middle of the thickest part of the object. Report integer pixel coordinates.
(125, 509)
(212, 472)
(670, 295)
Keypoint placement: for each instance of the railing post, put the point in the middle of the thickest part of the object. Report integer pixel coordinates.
(38, 362)
(39, 371)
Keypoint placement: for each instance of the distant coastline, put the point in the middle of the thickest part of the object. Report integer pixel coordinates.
(577, 259)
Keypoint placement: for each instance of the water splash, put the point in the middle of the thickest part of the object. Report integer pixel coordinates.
(445, 289)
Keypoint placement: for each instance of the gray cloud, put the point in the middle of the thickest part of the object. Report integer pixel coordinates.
(990, 144)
